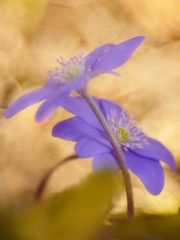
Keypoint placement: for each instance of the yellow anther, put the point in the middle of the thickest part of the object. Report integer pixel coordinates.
(73, 72)
(123, 134)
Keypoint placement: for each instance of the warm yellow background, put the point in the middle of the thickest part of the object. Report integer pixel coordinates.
(33, 34)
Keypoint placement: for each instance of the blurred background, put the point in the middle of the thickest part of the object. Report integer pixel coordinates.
(33, 34)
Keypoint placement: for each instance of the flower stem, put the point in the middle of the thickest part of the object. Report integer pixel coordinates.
(44, 180)
(117, 150)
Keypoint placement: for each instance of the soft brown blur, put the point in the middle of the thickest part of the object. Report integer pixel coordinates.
(33, 34)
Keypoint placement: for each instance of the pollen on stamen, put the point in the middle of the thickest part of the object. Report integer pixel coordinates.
(125, 131)
(68, 70)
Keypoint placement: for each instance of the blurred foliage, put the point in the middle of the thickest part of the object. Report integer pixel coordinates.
(25, 14)
(73, 214)
(83, 212)
(143, 228)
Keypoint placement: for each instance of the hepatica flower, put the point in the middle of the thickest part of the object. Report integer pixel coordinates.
(142, 154)
(73, 75)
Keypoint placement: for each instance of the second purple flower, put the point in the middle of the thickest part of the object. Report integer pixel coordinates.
(142, 153)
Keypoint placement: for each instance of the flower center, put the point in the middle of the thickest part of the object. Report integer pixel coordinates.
(68, 70)
(72, 72)
(122, 134)
(125, 131)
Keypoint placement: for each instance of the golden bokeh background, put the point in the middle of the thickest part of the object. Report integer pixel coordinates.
(33, 34)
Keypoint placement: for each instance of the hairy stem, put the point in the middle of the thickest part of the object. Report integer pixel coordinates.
(117, 150)
(44, 180)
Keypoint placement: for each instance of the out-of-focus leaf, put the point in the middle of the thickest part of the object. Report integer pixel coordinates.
(143, 228)
(25, 14)
(33, 7)
(78, 211)
(8, 228)
(83, 213)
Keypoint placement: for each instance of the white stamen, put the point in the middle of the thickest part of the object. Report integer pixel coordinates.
(68, 70)
(125, 130)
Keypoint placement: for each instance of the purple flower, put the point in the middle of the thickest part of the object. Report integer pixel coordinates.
(74, 75)
(142, 153)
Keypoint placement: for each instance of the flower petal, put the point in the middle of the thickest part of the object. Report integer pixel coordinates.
(79, 82)
(80, 108)
(118, 54)
(88, 146)
(107, 107)
(73, 129)
(93, 56)
(104, 160)
(49, 107)
(51, 104)
(26, 100)
(149, 171)
(158, 151)
(114, 73)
